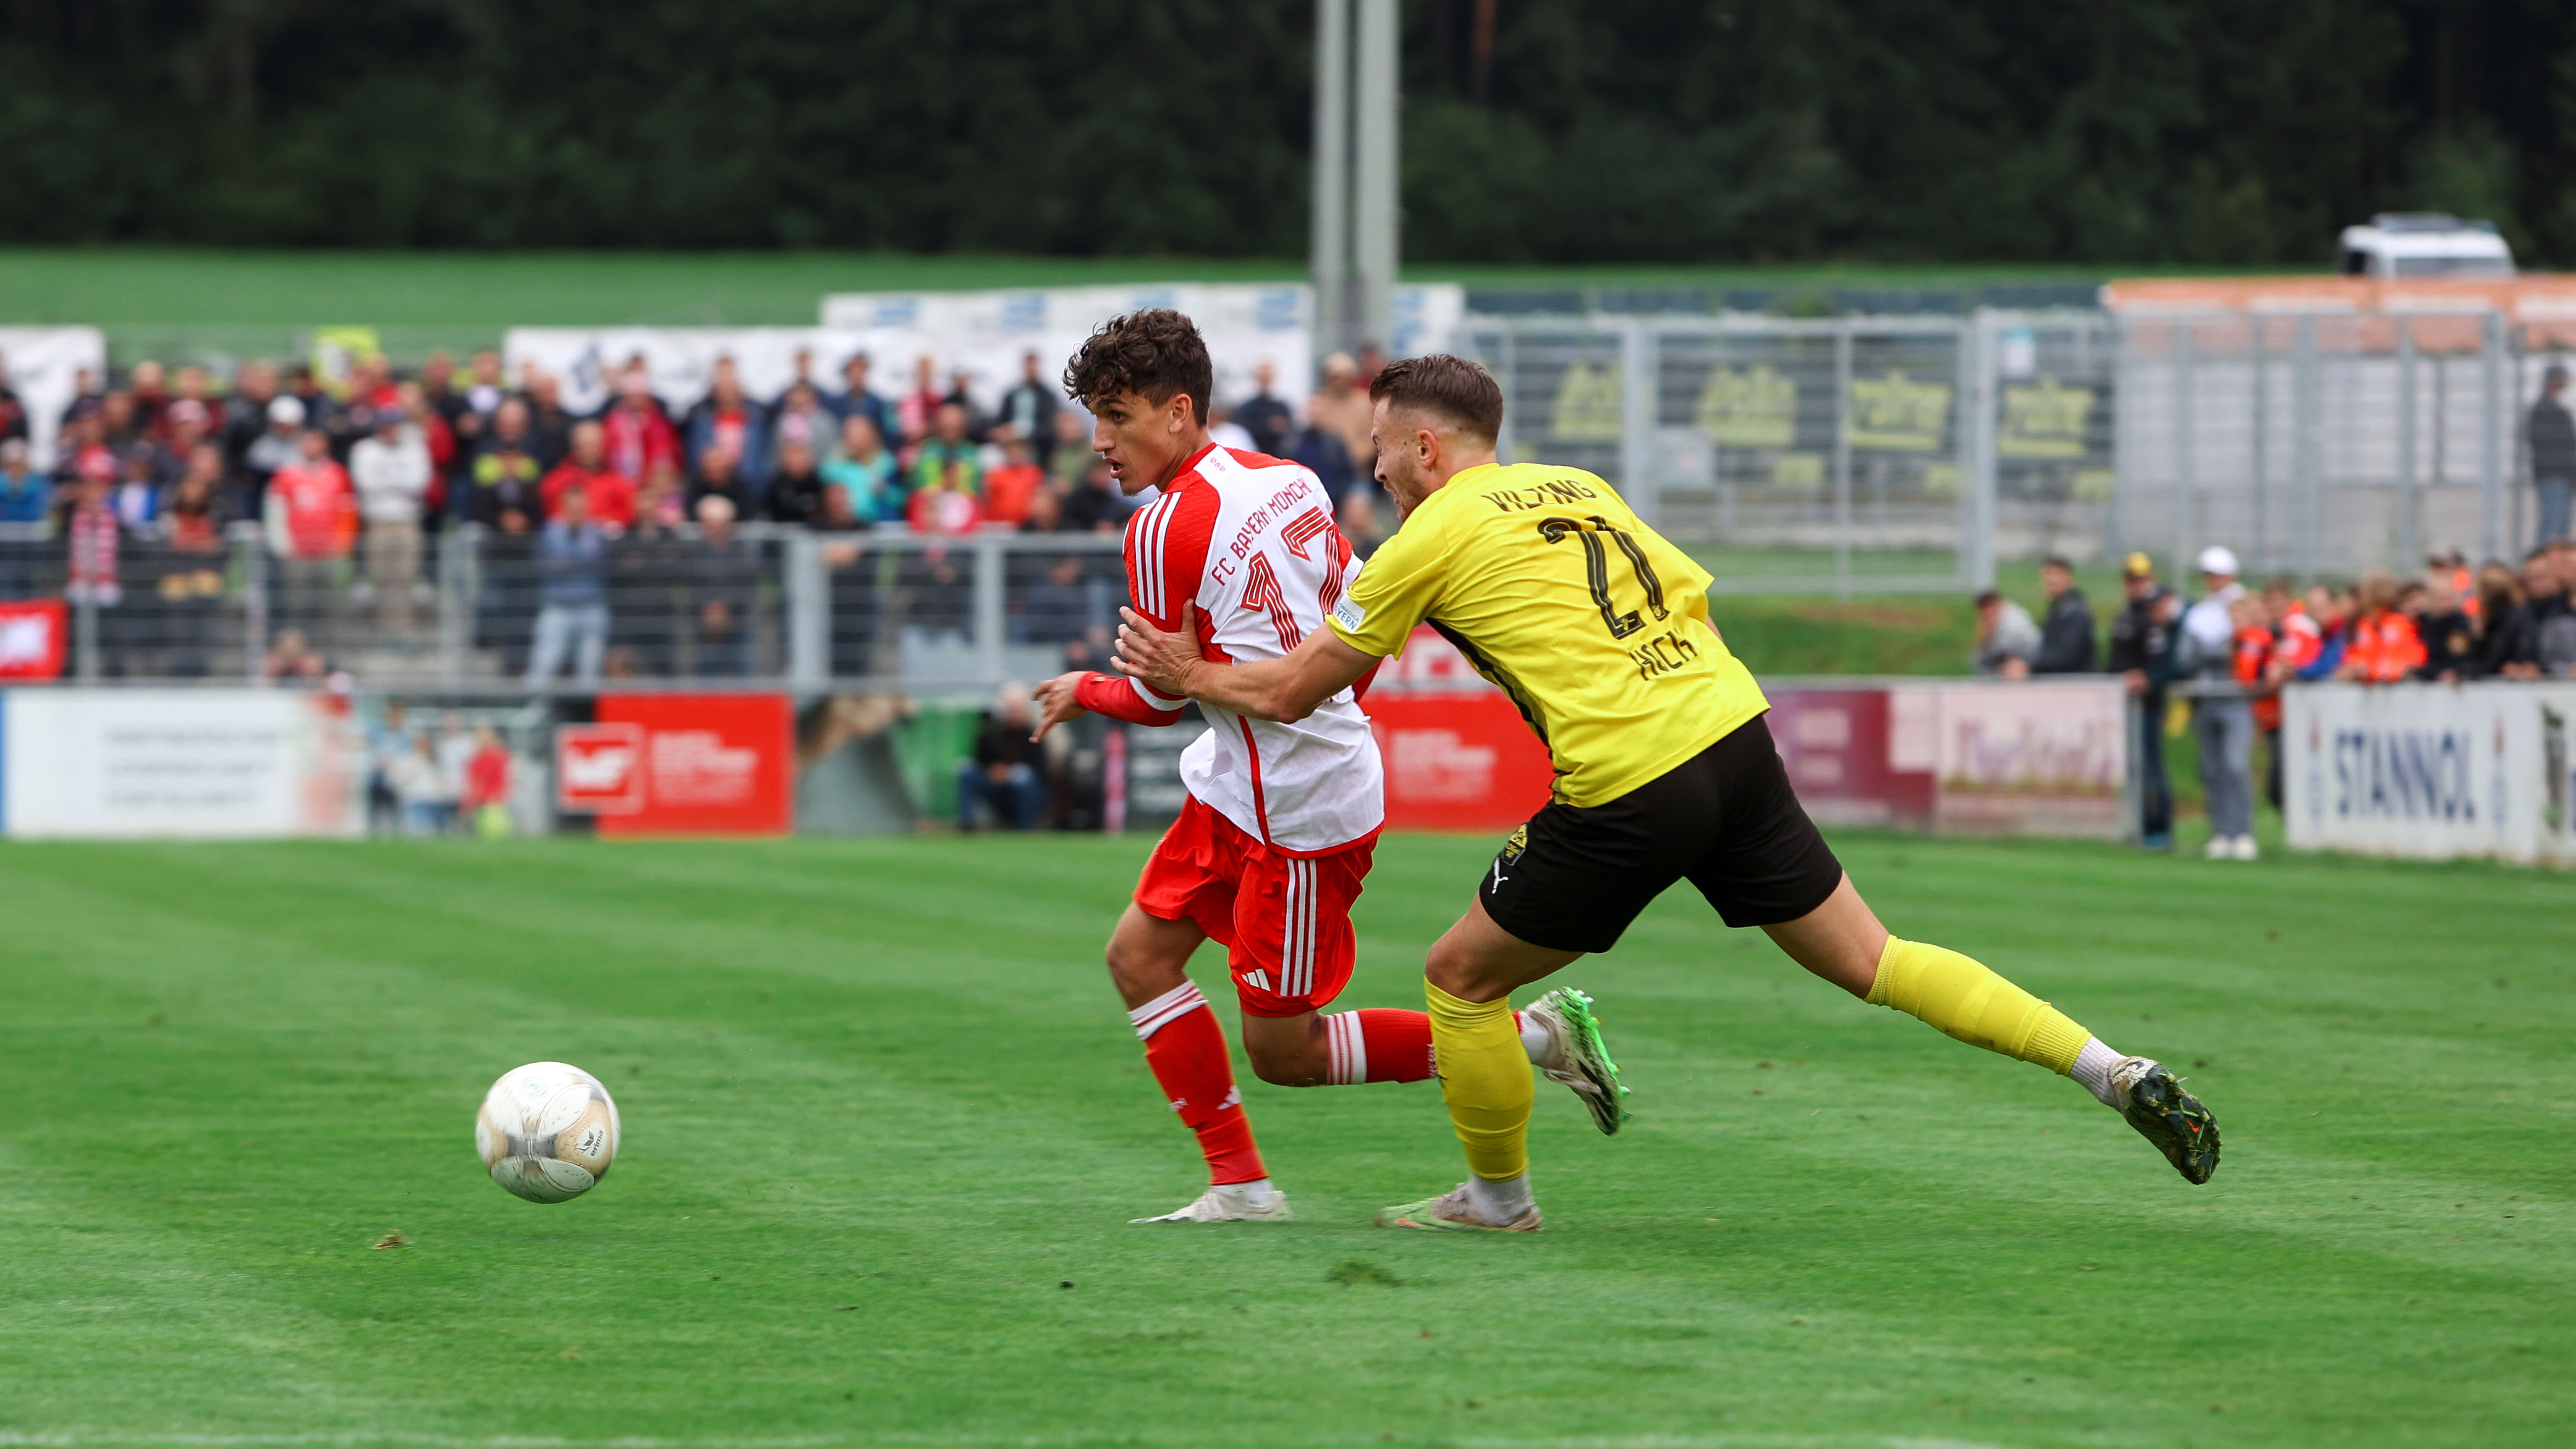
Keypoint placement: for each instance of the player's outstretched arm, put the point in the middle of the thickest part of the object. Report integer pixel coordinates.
(1287, 689)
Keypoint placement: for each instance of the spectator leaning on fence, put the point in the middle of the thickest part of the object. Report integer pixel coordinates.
(390, 469)
(2382, 646)
(2553, 611)
(2506, 647)
(2450, 636)
(2007, 640)
(2066, 641)
(723, 577)
(572, 618)
(2205, 654)
(2551, 434)
(796, 489)
(311, 518)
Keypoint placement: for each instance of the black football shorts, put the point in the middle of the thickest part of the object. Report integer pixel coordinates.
(1574, 877)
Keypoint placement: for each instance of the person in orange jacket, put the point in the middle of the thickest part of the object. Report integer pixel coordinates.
(2384, 646)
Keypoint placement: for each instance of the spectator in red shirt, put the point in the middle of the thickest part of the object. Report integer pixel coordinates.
(2383, 646)
(612, 494)
(312, 520)
(484, 802)
(636, 433)
(1008, 488)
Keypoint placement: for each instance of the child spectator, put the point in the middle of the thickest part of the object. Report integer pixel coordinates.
(2449, 634)
(2383, 646)
(948, 460)
(484, 800)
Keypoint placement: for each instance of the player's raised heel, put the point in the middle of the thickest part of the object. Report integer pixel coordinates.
(1224, 1205)
(2166, 1115)
(1576, 1057)
(1452, 1212)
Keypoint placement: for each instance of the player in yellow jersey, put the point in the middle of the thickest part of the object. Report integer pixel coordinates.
(1599, 631)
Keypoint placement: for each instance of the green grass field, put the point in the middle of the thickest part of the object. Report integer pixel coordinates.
(885, 1124)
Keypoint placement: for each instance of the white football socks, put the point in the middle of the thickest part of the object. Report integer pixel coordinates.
(2093, 1068)
(1534, 1038)
(1256, 1193)
(1499, 1203)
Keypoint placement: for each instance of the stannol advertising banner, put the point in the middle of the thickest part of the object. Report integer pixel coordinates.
(2432, 771)
(191, 764)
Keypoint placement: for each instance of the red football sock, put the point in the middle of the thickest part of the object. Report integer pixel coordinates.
(1186, 1050)
(1379, 1045)
(1375, 1045)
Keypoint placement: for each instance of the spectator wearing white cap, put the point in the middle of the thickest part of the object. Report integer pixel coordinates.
(2206, 654)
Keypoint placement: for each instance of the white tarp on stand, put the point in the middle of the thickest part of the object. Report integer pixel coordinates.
(983, 334)
(2431, 771)
(202, 764)
(44, 366)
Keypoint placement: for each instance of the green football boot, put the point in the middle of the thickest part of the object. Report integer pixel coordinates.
(1575, 1056)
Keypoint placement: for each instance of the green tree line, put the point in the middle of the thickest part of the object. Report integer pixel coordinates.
(2138, 131)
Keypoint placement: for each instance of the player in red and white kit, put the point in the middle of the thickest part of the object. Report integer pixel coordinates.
(1272, 846)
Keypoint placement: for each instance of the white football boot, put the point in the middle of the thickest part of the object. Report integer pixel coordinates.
(1228, 1203)
(1575, 1057)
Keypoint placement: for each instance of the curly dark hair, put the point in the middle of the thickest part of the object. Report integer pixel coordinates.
(1154, 351)
(1451, 387)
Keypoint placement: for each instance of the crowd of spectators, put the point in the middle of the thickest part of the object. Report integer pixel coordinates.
(2232, 649)
(352, 484)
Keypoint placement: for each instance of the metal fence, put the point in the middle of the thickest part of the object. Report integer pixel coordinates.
(767, 607)
(2323, 442)
(1845, 454)
(1858, 454)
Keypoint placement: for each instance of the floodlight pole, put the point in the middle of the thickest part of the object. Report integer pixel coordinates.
(1356, 149)
(1331, 245)
(1373, 196)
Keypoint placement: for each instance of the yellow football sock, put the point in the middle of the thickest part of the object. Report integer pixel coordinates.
(1485, 1079)
(1965, 999)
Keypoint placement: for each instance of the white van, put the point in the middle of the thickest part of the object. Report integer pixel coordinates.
(2425, 244)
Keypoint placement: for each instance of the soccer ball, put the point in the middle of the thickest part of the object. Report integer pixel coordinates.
(547, 1131)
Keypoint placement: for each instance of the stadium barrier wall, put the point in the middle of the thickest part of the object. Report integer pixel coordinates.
(2431, 771)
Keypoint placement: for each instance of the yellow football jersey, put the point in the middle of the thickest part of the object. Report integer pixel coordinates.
(1595, 626)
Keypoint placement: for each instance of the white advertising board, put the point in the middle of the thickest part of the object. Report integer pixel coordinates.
(211, 764)
(2431, 771)
(982, 334)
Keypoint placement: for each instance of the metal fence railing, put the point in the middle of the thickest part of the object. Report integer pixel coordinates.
(769, 606)
(2320, 442)
(1845, 454)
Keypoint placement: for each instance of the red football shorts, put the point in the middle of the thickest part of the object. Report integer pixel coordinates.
(1285, 920)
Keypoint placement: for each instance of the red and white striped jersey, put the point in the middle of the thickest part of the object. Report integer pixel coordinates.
(1250, 539)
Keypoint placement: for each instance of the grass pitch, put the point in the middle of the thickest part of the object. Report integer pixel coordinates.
(885, 1123)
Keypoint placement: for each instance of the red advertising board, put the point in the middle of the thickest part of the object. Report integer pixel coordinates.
(32, 634)
(1458, 755)
(681, 764)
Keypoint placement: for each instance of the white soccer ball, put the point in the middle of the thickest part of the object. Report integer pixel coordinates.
(547, 1131)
